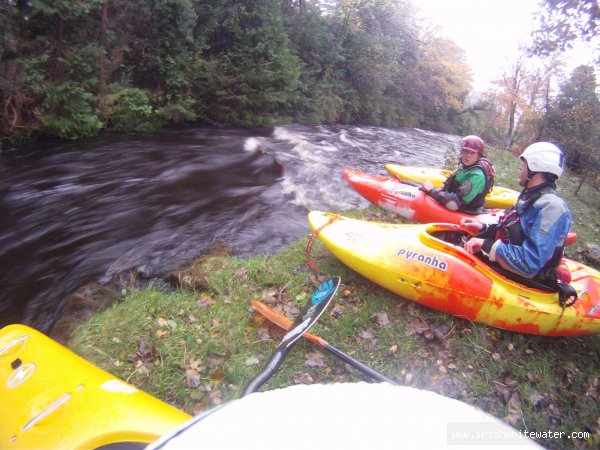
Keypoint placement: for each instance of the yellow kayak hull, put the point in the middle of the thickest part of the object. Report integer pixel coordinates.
(409, 261)
(499, 197)
(53, 399)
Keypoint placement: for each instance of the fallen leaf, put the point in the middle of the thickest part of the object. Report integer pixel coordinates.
(144, 352)
(205, 301)
(515, 413)
(365, 334)
(337, 311)
(381, 319)
(314, 359)
(252, 361)
(536, 400)
(302, 296)
(302, 378)
(593, 388)
(417, 326)
(495, 334)
(192, 378)
(217, 374)
(215, 361)
(162, 322)
(212, 398)
(533, 377)
(263, 334)
(514, 403)
(240, 272)
(197, 365)
(291, 310)
(269, 296)
(162, 333)
(144, 368)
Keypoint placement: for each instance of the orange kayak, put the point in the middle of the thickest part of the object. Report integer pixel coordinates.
(498, 197)
(413, 203)
(414, 262)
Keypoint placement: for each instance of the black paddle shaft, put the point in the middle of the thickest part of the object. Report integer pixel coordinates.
(319, 300)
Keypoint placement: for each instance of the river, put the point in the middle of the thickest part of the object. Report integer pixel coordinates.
(76, 212)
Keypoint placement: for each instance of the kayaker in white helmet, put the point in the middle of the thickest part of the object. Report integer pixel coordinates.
(529, 238)
(468, 185)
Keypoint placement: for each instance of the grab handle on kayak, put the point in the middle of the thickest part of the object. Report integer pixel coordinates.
(46, 412)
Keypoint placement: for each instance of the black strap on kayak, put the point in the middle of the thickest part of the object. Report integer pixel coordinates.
(311, 242)
(567, 295)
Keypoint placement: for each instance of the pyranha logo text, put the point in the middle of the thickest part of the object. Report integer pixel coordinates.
(420, 257)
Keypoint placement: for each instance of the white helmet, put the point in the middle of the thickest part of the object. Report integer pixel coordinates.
(544, 157)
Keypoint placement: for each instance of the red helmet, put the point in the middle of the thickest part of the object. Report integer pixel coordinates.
(473, 143)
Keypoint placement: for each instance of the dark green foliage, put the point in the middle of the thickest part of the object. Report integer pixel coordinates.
(68, 111)
(70, 68)
(124, 108)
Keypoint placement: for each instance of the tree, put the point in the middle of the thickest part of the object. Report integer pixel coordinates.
(250, 75)
(562, 22)
(573, 121)
(440, 83)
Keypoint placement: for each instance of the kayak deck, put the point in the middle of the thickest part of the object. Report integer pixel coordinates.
(52, 398)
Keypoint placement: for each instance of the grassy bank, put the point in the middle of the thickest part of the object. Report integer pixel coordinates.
(196, 348)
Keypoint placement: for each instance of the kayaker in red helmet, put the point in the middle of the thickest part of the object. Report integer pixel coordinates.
(467, 187)
(530, 237)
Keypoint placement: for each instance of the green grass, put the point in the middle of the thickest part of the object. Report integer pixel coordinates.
(532, 382)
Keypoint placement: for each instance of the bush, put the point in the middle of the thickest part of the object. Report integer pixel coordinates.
(67, 112)
(126, 108)
(176, 113)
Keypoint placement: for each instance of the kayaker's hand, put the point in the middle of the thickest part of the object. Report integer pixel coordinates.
(473, 245)
(427, 185)
(471, 224)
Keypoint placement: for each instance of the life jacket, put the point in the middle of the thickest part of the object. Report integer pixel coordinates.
(477, 204)
(509, 231)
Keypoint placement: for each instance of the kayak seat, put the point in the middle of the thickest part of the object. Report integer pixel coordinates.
(529, 282)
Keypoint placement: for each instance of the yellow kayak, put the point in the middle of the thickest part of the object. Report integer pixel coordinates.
(499, 197)
(414, 262)
(53, 399)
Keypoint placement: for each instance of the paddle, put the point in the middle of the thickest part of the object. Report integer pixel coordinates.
(311, 312)
(285, 323)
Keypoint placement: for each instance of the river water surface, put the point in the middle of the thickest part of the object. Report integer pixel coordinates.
(77, 212)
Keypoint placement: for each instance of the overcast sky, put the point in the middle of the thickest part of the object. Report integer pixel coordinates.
(490, 32)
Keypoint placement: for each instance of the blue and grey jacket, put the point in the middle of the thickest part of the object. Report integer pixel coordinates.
(543, 222)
